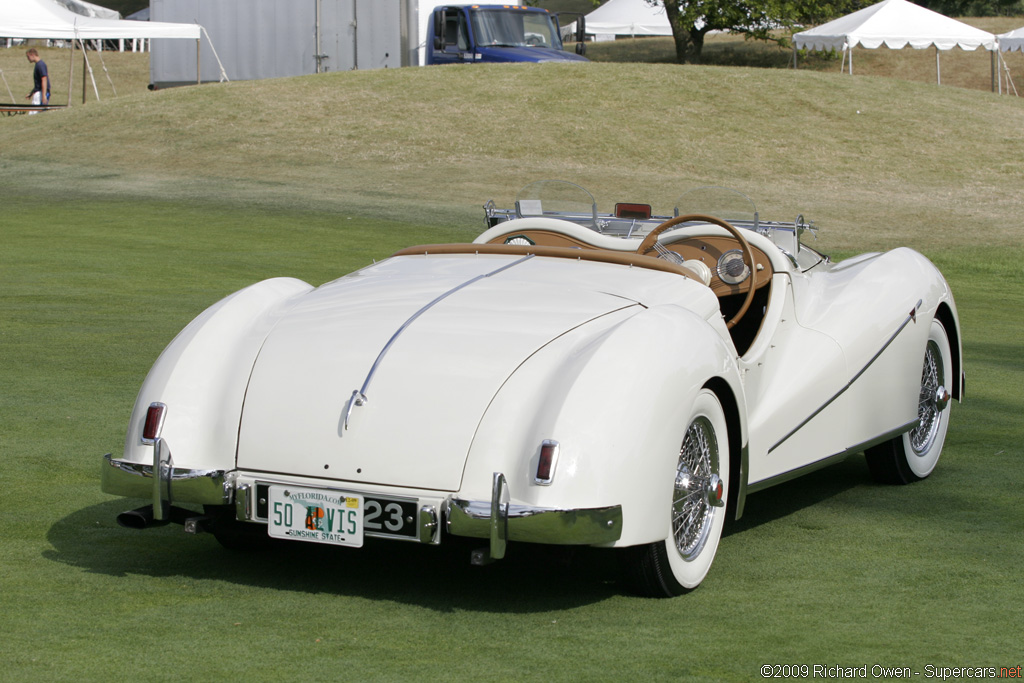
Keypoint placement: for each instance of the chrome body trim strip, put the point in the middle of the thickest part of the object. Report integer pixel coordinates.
(359, 397)
(588, 526)
(134, 480)
(911, 317)
(830, 460)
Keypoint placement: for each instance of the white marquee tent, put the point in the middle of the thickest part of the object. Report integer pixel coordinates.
(1014, 40)
(628, 18)
(87, 9)
(48, 19)
(895, 24)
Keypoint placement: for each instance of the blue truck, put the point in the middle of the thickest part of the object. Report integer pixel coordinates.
(466, 34)
(280, 38)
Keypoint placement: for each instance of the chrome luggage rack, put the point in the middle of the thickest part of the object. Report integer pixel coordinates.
(570, 202)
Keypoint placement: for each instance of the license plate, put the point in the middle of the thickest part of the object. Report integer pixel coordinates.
(316, 516)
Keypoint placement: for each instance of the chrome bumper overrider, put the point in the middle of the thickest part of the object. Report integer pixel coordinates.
(501, 522)
(133, 480)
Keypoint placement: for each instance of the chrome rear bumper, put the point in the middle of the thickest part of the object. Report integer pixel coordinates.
(496, 519)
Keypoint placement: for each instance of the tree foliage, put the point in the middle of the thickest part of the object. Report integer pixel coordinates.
(692, 20)
(975, 8)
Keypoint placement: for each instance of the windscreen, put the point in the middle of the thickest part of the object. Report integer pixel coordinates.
(514, 28)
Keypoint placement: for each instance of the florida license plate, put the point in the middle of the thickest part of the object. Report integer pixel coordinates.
(315, 515)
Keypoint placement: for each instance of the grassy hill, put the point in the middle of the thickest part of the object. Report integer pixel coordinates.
(867, 158)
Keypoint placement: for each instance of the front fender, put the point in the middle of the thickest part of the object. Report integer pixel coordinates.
(616, 394)
(202, 375)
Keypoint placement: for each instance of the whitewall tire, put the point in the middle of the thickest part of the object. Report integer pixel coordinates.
(693, 524)
(912, 456)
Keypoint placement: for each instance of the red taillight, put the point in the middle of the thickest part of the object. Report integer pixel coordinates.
(546, 462)
(154, 421)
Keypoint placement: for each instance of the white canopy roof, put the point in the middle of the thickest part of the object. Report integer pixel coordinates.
(1014, 40)
(87, 9)
(895, 24)
(47, 19)
(629, 18)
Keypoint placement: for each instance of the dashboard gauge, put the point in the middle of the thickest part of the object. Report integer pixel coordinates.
(731, 268)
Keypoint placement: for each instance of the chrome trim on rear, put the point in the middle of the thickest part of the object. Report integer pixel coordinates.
(359, 396)
(135, 480)
(428, 526)
(588, 526)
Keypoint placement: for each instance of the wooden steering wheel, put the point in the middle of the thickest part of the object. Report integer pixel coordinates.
(647, 246)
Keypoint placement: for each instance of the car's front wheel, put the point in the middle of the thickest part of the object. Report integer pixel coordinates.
(912, 456)
(694, 523)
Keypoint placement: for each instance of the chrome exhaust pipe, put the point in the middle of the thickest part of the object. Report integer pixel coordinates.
(139, 519)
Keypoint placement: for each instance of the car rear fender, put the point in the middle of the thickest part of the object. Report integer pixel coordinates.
(616, 396)
(202, 374)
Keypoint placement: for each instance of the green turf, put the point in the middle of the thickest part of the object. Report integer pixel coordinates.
(120, 221)
(830, 569)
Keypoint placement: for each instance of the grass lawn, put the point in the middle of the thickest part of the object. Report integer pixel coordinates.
(123, 219)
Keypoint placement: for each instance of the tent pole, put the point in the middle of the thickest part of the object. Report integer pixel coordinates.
(995, 73)
(85, 69)
(938, 71)
(199, 77)
(71, 72)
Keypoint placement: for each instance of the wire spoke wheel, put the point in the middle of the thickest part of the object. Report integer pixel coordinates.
(912, 456)
(695, 511)
(691, 511)
(928, 413)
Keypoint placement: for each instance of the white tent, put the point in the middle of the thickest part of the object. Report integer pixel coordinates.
(1014, 40)
(49, 20)
(628, 18)
(87, 9)
(895, 24)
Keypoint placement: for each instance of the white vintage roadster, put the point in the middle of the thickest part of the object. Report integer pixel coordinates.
(571, 377)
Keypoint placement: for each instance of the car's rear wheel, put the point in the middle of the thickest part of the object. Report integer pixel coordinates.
(912, 456)
(694, 524)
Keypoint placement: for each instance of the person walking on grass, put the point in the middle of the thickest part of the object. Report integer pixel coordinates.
(40, 94)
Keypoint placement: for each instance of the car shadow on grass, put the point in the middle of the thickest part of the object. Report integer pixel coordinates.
(797, 494)
(531, 578)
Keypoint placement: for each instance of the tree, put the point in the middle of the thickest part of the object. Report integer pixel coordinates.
(691, 20)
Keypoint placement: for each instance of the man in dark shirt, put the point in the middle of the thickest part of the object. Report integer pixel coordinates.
(40, 79)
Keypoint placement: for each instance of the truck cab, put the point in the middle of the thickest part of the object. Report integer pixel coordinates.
(466, 34)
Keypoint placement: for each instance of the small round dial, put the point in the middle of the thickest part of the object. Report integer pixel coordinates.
(731, 268)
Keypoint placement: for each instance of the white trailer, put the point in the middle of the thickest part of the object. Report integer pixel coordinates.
(256, 39)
